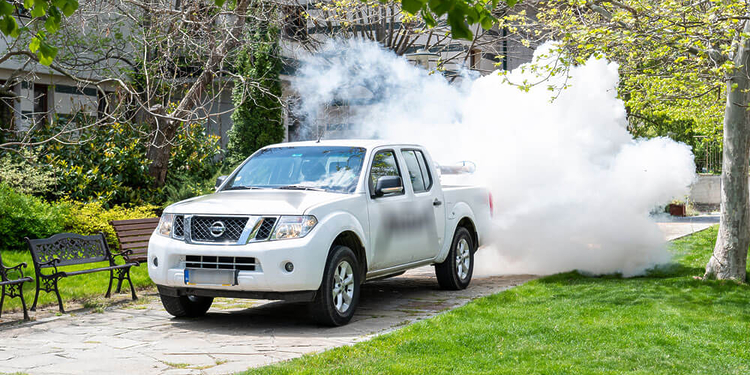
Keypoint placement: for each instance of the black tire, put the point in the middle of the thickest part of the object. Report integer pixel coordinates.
(186, 306)
(323, 308)
(448, 272)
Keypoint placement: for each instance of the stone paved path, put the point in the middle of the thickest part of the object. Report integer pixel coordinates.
(141, 338)
(676, 227)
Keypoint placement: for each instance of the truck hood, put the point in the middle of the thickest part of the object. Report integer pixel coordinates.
(254, 202)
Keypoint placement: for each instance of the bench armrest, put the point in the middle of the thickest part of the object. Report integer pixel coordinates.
(122, 254)
(52, 263)
(18, 268)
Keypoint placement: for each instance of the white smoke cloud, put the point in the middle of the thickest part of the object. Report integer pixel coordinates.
(572, 188)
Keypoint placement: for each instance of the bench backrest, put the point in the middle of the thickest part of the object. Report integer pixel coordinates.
(70, 249)
(134, 234)
(3, 275)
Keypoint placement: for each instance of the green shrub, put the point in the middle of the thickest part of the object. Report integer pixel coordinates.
(25, 174)
(192, 167)
(23, 215)
(92, 218)
(109, 164)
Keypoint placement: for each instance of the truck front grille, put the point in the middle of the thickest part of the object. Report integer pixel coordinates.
(216, 229)
(221, 263)
(264, 231)
(178, 227)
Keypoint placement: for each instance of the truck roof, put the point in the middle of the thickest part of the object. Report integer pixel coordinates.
(365, 143)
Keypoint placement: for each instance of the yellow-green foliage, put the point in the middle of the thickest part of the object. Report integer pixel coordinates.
(23, 215)
(90, 218)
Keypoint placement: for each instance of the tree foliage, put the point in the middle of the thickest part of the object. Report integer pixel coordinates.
(258, 118)
(684, 60)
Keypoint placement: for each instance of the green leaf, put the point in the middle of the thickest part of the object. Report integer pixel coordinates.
(220, 3)
(429, 20)
(511, 2)
(412, 6)
(459, 29)
(52, 24)
(34, 45)
(46, 54)
(6, 8)
(472, 16)
(40, 8)
(28, 4)
(441, 7)
(68, 7)
(488, 21)
(8, 25)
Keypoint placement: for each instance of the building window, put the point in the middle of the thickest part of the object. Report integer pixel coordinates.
(475, 58)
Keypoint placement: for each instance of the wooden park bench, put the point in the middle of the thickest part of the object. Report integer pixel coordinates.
(69, 249)
(133, 236)
(13, 287)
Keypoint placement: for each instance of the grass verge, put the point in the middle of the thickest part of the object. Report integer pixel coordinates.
(75, 288)
(666, 322)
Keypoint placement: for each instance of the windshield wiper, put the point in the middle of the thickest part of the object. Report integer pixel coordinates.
(299, 187)
(243, 188)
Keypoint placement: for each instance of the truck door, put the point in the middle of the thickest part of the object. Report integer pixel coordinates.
(391, 226)
(428, 197)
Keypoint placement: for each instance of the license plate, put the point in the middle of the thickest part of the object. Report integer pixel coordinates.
(198, 276)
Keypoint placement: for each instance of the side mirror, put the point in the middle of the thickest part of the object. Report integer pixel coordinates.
(220, 180)
(388, 185)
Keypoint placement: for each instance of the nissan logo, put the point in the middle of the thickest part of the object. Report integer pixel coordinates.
(217, 228)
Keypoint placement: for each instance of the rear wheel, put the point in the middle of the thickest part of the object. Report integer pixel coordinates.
(338, 296)
(456, 270)
(186, 306)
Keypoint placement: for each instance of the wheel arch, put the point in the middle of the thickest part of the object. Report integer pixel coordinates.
(467, 223)
(351, 240)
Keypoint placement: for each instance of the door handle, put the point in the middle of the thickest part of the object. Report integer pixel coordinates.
(436, 202)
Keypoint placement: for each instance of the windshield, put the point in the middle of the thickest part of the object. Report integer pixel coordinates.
(305, 168)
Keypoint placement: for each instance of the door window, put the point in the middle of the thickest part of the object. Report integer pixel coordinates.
(418, 173)
(415, 172)
(383, 164)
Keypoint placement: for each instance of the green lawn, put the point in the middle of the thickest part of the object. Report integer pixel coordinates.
(665, 323)
(74, 288)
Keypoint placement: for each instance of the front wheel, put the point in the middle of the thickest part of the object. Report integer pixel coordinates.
(338, 296)
(186, 306)
(456, 270)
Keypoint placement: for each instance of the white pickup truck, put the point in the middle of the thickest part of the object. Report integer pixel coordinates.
(312, 221)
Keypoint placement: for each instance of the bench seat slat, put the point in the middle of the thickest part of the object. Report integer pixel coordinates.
(135, 245)
(137, 239)
(125, 228)
(91, 270)
(124, 235)
(135, 221)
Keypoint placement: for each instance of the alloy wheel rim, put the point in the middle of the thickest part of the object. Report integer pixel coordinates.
(463, 259)
(343, 286)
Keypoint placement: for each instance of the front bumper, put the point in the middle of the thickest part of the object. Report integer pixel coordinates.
(306, 254)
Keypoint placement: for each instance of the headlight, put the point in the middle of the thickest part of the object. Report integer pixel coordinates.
(293, 227)
(165, 224)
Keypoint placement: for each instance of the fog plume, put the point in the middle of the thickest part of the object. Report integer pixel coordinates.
(572, 188)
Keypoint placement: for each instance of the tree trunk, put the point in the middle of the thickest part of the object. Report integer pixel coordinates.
(161, 146)
(729, 259)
